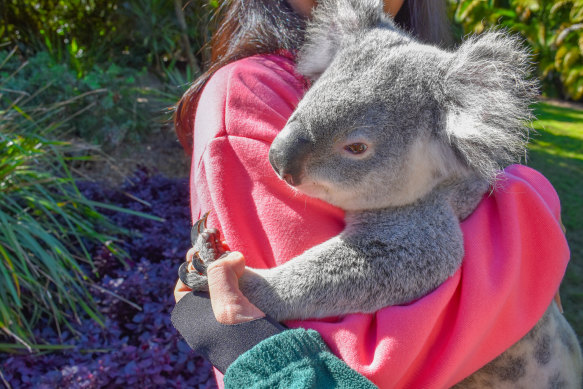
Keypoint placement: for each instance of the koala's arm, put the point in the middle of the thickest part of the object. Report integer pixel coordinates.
(359, 272)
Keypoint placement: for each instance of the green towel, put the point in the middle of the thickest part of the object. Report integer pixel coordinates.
(296, 358)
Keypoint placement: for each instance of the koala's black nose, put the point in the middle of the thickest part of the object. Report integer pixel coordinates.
(287, 155)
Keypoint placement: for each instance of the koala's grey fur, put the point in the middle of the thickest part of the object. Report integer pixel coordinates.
(438, 126)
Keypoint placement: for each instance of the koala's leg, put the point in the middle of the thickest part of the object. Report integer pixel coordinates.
(309, 285)
(367, 267)
(549, 356)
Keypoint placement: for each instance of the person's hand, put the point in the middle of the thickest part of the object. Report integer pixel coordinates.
(181, 290)
(225, 327)
(230, 306)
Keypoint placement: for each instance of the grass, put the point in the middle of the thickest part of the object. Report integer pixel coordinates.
(557, 152)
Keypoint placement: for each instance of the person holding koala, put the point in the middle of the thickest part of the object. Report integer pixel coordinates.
(433, 339)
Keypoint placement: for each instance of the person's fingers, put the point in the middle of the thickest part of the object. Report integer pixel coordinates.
(230, 306)
(180, 290)
(189, 255)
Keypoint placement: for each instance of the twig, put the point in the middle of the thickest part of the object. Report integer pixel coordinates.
(17, 338)
(91, 92)
(139, 200)
(192, 62)
(8, 56)
(561, 37)
(6, 383)
(136, 306)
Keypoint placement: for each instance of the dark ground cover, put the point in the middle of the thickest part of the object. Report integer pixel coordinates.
(135, 348)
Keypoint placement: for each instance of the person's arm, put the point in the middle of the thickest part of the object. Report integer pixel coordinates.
(261, 353)
(251, 349)
(220, 344)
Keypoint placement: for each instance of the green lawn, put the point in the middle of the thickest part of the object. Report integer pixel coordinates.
(557, 152)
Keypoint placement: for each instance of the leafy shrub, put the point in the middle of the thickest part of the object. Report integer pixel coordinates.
(70, 31)
(553, 29)
(45, 223)
(138, 347)
(85, 33)
(105, 106)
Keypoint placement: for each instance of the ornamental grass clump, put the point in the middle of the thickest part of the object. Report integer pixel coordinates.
(138, 346)
(46, 225)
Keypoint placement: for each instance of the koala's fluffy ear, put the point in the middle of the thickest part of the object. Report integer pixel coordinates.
(488, 94)
(332, 22)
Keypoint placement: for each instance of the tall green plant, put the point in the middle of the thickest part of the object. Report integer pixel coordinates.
(552, 28)
(44, 222)
(46, 225)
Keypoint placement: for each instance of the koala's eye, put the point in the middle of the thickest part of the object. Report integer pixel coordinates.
(356, 148)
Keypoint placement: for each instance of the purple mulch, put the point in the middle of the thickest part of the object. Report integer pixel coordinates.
(135, 348)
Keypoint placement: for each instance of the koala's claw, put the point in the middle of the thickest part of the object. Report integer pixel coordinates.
(208, 248)
(199, 264)
(193, 280)
(197, 228)
(182, 273)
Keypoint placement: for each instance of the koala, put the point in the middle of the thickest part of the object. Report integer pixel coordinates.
(407, 138)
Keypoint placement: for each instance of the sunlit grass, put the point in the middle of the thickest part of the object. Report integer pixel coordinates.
(557, 152)
(560, 131)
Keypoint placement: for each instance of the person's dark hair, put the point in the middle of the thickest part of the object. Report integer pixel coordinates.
(427, 20)
(249, 27)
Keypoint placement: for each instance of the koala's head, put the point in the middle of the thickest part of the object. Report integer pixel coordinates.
(388, 118)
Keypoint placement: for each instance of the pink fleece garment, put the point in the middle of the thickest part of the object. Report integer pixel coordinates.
(516, 253)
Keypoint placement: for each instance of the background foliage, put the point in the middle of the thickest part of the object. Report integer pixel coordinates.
(125, 62)
(75, 76)
(552, 28)
(46, 224)
(104, 106)
(82, 33)
(556, 150)
(137, 346)
(44, 227)
(78, 76)
(72, 72)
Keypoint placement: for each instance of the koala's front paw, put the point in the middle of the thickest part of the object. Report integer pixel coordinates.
(193, 279)
(206, 248)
